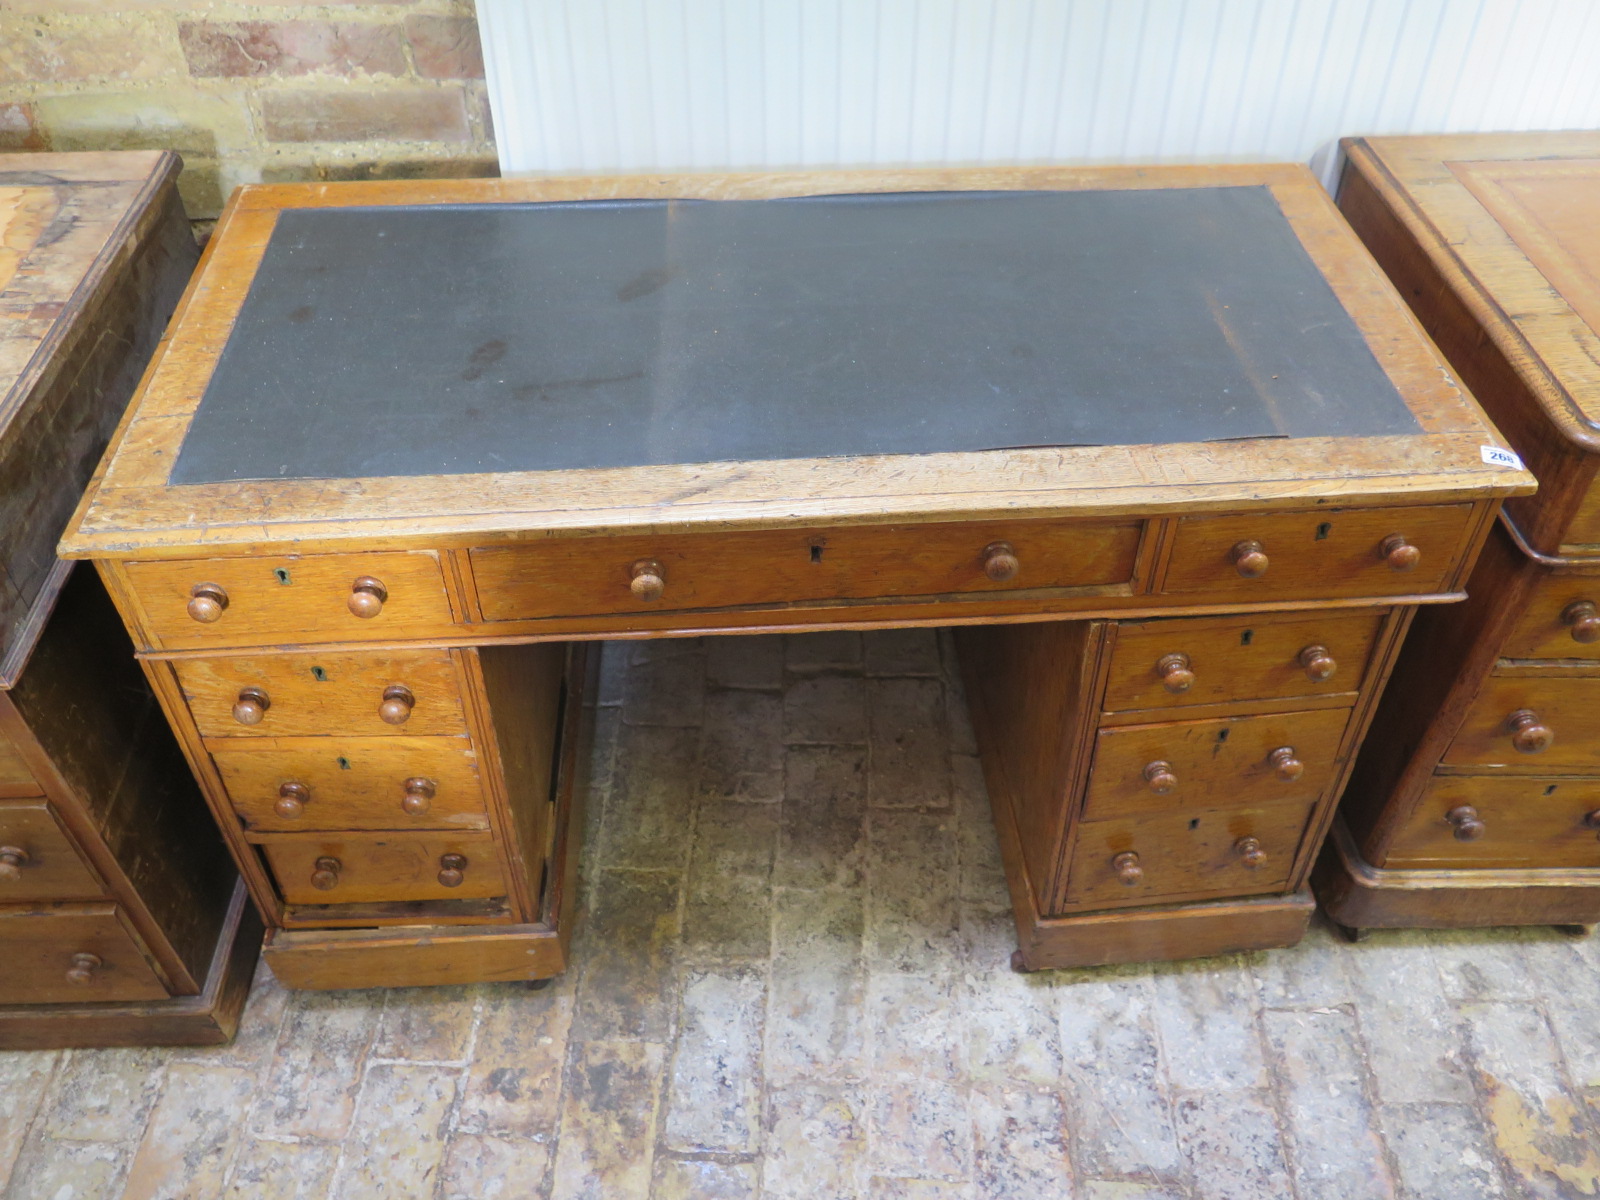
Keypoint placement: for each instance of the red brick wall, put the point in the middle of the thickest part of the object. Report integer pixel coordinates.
(269, 90)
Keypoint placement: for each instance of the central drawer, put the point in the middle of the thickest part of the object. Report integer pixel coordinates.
(1171, 856)
(37, 858)
(352, 783)
(381, 868)
(73, 953)
(584, 576)
(371, 693)
(1214, 660)
(1277, 758)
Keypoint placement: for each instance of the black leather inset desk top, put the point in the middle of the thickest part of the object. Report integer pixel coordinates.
(453, 339)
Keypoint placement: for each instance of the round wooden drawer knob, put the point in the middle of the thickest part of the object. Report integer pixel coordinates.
(1250, 559)
(1318, 664)
(251, 706)
(1160, 777)
(397, 704)
(1400, 554)
(1528, 736)
(325, 875)
(1128, 870)
(1176, 675)
(207, 602)
(649, 580)
(1250, 852)
(367, 597)
(1287, 767)
(83, 967)
(1465, 820)
(452, 870)
(1582, 620)
(292, 800)
(1592, 820)
(1000, 561)
(419, 794)
(12, 860)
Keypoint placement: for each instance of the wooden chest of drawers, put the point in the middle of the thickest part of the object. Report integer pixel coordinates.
(121, 917)
(1186, 565)
(1477, 799)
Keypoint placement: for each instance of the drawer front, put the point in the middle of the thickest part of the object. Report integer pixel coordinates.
(1475, 821)
(38, 860)
(1229, 762)
(580, 576)
(1213, 660)
(15, 777)
(76, 953)
(374, 693)
(1562, 620)
(1166, 856)
(353, 783)
(268, 601)
(1337, 552)
(377, 869)
(1532, 724)
(1584, 529)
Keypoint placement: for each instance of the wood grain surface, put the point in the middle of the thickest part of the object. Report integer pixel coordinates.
(1239, 658)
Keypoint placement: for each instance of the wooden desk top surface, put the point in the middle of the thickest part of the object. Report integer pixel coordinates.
(1512, 221)
(1113, 341)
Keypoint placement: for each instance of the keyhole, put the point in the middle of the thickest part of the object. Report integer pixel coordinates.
(1550, 790)
(1324, 530)
(344, 763)
(319, 675)
(1195, 824)
(1222, 735)
(282, 573)
(816, 554)
(1246, 637)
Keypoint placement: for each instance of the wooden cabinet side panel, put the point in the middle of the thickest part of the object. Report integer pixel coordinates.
(523, 689)
(1032, 691)
(115, 769)
(52, 447)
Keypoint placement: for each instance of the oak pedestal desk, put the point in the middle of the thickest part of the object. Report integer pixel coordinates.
(120, 920)
(1164, 444)
(1477, 799)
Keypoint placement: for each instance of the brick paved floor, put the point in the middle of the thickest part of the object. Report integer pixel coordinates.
(793, 981)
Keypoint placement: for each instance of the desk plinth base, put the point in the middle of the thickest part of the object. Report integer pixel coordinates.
(411, 957)
(1358, 896)
(209, 1019)
(1194, 930)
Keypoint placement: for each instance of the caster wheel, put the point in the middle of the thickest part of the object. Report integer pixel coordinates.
(1575, 931)
(1017, 963)
(538, 985)
(1350, 934)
